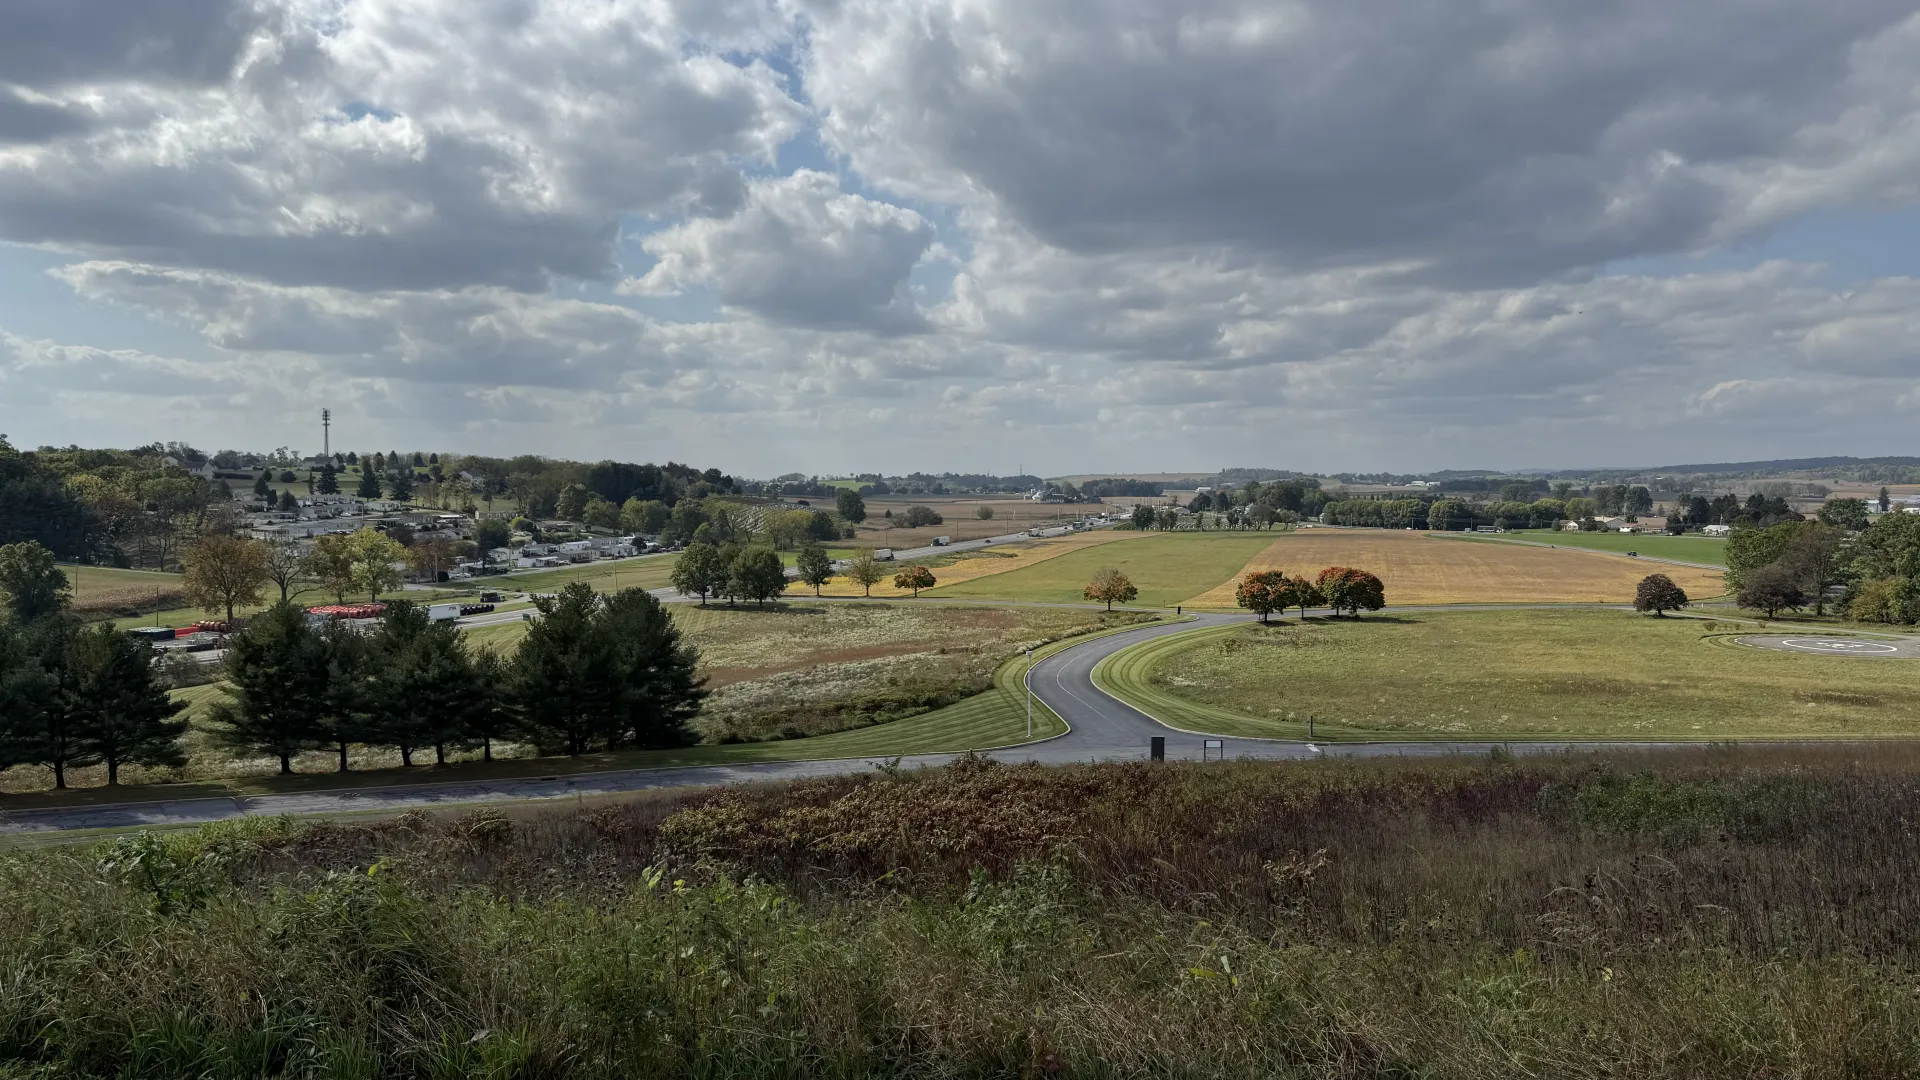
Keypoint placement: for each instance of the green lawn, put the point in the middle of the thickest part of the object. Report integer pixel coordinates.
(834, 553)
(647, 572)
(1510, 674)
(1711, 550)
(1168, 569)
(87, 580)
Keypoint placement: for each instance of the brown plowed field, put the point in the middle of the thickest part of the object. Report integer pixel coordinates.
(1422, 569)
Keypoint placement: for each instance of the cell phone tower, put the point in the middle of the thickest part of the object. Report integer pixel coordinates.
(326, 432)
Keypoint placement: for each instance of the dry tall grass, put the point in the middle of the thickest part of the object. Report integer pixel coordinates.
(1695, 914)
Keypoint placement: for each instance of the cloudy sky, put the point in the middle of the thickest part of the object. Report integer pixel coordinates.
(1087, 235)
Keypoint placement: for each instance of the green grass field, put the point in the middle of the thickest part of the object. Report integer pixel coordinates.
(1510, 674)
(1710, 550)
(88, 581)
(1167, 569)
(647, 572)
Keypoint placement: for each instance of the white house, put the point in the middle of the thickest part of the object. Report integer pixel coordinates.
(1716, 530)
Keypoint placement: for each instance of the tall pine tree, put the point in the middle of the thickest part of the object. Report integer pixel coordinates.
(427, 691)
(278, 681)
(119, 712)
(607, 671)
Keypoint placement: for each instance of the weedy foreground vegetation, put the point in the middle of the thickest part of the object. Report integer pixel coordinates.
(1707, 913)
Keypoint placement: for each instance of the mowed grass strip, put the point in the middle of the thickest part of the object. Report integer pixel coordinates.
(1167, 568)
(992, 561)
(645, 572)
(1579, 674)
(1421, 569)
(1711, 550)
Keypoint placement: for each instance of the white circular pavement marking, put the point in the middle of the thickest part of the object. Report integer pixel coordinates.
(1839, 645)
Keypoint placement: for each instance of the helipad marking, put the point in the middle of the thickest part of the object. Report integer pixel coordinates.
(1838, 645)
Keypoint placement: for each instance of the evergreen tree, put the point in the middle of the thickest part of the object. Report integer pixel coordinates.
(561, 679)
(369, 484)
(660, 693)
(277, 676)
(494, 718)
(113, 704)
(329, 481)
(400, 485)
(261, 487)
(27, 689)
(347, 700)
(604, 671)
(425, 689)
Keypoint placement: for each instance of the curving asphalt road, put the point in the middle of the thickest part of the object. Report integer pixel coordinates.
(1101, 728)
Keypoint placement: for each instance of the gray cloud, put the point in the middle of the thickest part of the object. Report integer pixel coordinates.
(1506, 140)
(799, 252)
(1308, 234)
(386, 144)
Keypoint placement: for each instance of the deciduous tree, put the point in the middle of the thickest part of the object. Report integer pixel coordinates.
(1263, 592)
(915, 577)
(330, 562)
(756, 574)
(850, 505)
(1657, 593)
(224, 572)
(644, 516)
(1347, 589)
(815, 567)
(370, 560)
(1110, 586)
(918, 517)
(700, 571)
(983, 512)
(1845, 513)
(1772, 587)
(865, 571)
(33, 585)
(1301, 593)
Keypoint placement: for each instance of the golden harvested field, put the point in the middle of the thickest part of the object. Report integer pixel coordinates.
(983, 563)
(1422, 569)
